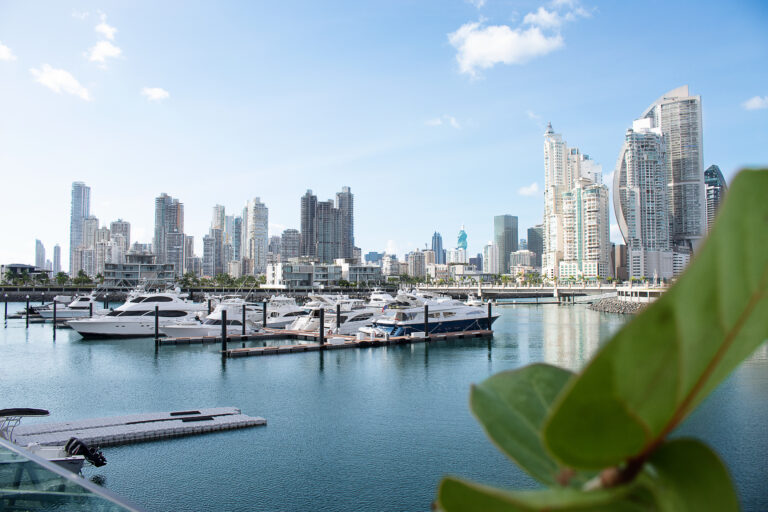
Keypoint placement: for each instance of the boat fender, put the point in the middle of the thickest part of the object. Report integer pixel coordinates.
(93, 455)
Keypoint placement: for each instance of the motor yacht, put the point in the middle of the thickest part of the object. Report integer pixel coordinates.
(474, 300)
(70, 456)
(78, 308)
(136, 317)
(380, 299)
(406, 316)
(328, 303)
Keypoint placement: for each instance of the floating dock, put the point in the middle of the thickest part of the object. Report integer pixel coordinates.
(331, 341)
(136, 428)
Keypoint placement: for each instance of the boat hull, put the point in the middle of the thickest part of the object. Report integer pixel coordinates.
(465, 324)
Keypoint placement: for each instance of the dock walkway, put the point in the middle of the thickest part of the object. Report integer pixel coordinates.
(136, 427)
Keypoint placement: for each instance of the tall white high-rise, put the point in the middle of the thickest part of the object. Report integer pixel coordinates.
(640, 201)
(218, 221)
(169, 219)
(123, 228)
(491, 259)
(678, 115)
(555, 184)
(56, 259)
(79, 210)
(39, 254)
(257, 235)
(586, 231)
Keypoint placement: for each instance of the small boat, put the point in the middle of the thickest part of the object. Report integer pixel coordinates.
(70, 456)
(474, 300)
(211, 325)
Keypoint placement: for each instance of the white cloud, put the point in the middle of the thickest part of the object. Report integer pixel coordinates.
(543, 18)
(477, 3)
(81, 15)
(102, 51)
(532, 115)
(104, 29)
(530, 190)
(445, 119)
(155, 93)
(6, 54)
(59, 80)
(755, 103)
(480, 47)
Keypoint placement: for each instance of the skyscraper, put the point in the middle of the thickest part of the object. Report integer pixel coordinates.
(345, 202)
(678, 115)
(586, 233)
(505, 240)
(39, 254)
(189, 253)
(555, 184)
(328, 234)
(536, 242)
(80, 209)
(715, 188)
(169, 218)
(640, 201)
(121, 227)
(236, 237)
(491, 259)
(308, 228)
(56, 259)
(218, 221)
(437, 246)
(289, 244)
(257, 235)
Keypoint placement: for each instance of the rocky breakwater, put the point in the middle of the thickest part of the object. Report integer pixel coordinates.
(614, 305)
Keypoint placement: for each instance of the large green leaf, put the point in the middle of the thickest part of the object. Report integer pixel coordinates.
(455, 495)
(685, 475)
(647, 379)
(512, 406)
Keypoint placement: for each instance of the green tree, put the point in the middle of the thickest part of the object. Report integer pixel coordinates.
(600, 440)
(61, 278)
(82, 278)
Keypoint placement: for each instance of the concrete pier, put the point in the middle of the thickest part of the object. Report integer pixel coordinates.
(136, 427)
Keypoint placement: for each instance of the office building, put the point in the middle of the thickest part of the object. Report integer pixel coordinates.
(290, 244)
(169, 218)
(491, 259)
(308, 229)
(536, 242)
(121, 227)
(505, 240)
(39, 254)
(345, 202)
(437, 247)
(56, 259)
(586, 232)
(715, 188)
(257, 225)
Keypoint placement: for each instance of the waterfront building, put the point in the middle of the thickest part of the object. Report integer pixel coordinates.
(491, 259)
(357, 254)
(308, 245)
(345, 202)
(429, 257)
(586, 232)
(236, 238)
(121, 227)
(640, 201)
(174, 250)
(619, 261)
(118, 249)
(169, 218)
(416, 263)
(290, 244)
(103, 254)
(715, 188)
(477, 261)
(555, 185)
(327, 231)
(56, 259)
(389, 265)
(274, 247)
(39, 254)
(140, 267)
(536, 242)
(209, 255)
(257, 225)
(437, 247)
(79, 210)
(522, 258)
(456, 255)
(235, 269)
(677, 115)
(505, 240)
(438, 271)
(353, 272)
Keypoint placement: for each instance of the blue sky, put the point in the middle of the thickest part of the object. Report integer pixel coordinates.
(432, 111)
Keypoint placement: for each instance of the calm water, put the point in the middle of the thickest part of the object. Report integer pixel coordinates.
(352, 429)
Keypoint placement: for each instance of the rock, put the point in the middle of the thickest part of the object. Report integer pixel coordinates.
(614, 305)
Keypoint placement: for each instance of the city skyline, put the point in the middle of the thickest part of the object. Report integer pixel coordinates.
(457, 115)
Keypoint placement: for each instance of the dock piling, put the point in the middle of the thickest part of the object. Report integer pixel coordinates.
(54, 320)
(157, 325)
(209, 306)
(224, 331)
(426, 320)
(90, 309)
(5, 318)
(489, 315)
(27, 311)
(264, 314)
(243, 319)
(338, 318)
(321, 328)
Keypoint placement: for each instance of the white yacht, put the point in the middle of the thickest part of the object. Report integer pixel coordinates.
(78, 308)
(474, 300)
(311, 321)
(406, 316)
(380, 299)
(70, 456)
(282, 311)
(211, 325)
(136, 317)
